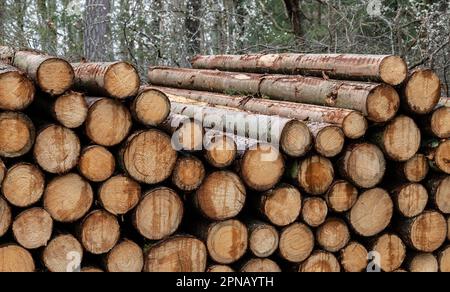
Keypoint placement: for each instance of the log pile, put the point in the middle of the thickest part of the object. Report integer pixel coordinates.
(340, 164)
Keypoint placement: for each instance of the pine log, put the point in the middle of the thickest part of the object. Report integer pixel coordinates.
(99, 232)
(380, 102)
(182, 254)
(108, 122)
(23, 185)
(315, 175)
(381, 68)
(400, 139)
(372, 212)
(363, 164)
(187, 134)
(91, 270)
(391, 250)
(219, 269)
(263, 239)
(296, 243)
(7, 54)
(281, 206)
(125, 257)
(353, 123)
(410, 199)
(33, 228)
(414, 170)
(57, 149)
(5, 217)
(15, 259)
(159, 214)
(426, 232)
(342, 196)
(189, 173)
(60, 252)
(221, 196)
(438, 122)
(68, 198)
(16, 90)
(151, 107)
(320, 262)
(17, 134)
(438, 154)
(70, 109)
(315, 211)
(328, 139)
(444, 260)
(118, 80)
(439, 190)
(119, 195)
(148, 156)
(354, 258)
(220, 150)
(260, 266)
(421, 91)
(423, 263)
(97, 163)
(333, 235)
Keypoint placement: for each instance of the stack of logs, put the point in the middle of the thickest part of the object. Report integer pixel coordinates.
(99, 173)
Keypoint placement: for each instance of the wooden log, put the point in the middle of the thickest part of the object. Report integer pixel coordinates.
(410, 199)
(3, 171)
(379, 205)
(16, 90)
(125, 257)
(159, 214)
(182, 254)
(108, 122)
(421, 91)
(281, 206)
(57, 149)
(97, 163)
(187, 134)
(439, 190)
(315, 211)
(118, 80)
(444, 260)
(189, 173)
(151, 107)
(353, 123)
(15, 259)
(91, 270)
(226, 241)
(219, 269)
(260, 266)
(354, 258)
(99, 232)
(379, 102)
(148, 157)
(342, 196)
(414, 170)
(329, 139)
(69, 109)
(60, 252)
(263, 239)
(315, 175)
(119, 194)
(5, 217)
(381, 68)
(17, 134)
(423, 263)
(33, 228)
(220, 150)
(438, 122)
(320, 262)
(221, 196)
(68, 198)
(438, 154)
(363, 164)
(391, 250)
(296, 243)
(333, 235)
(425, 233)
(7, 54)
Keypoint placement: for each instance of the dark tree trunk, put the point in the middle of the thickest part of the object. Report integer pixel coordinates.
(295, 16)
(96, 29)
(193, 26)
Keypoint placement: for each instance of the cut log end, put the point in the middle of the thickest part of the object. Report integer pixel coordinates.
(354, 258)
(126, 257)
(427, 232)
(71, 110)
(60, 252)
(315, 211)
(355, 125)
(15, 259)
(227, 241)
(55, 76)
(121, 80)
(159, 214)
(392, 252)
(411, 199)
(342, 196)
(16, 90)
(402, 139)
(422, 91)
(440, 122)
(281, 206)
(189, 135)
(5, 217)
(188, 174)
(221, 151)
(442, 157)
(320, 262)
(17, 134)
(383, 104)
(100, 232)
(264, 240)
(91, 270)
(441, 195)
(96, 163)
(296, 139)
(444, 260)
(151, 107)
(393, 70)
(119, 195)
(316, 174)
(296, 243)
(219, 269)
(424, 263)
(330, 141)
(260, 266)
(416, 169)
(33, 228)
(333, 235)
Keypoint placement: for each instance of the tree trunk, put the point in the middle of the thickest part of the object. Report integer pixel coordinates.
(150, 107)
(16, 90)
(341, 196)
(96, 163)
(263, 265)
(410, 199)
(296, 243)
(17, 134)
(329, 139)
(125, 257)
(15, 259)
(354, 258)
(99, 232)
(315, 211)
(263, 239)
(421, 91)
(5, 217)
(333, 235)
(392, 252)
(97, 22)
(414, 170)
(423, 263)
(193, 26)
(188, 174)
(119, 195)
(439, 190)
(315, 175)
(295, 17)
(221, 150)
(187, 133)
(56, 255)
(33, 228)
(438, 154)
(320, 262)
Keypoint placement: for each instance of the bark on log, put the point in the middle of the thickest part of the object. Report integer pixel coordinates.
(342, 196)
(439, 191)
(219, 269)
(438, 154)
(414, 170)
(379, 102)
(17, 134)
(189, 173)
(423, 263)
(296, 243)
(315, 175)
(315, 211)
(5, 217)
(125, 257)
(99, 232)
(421, 91)
(333, 235)
(381, 68)
(159, 214)
(16, 90)
(263, 239)
(96, 163)
(151, 107)
(260, 266)
(118, 80)
(33, 228)
(68, 198)
(392, 252)
(15, 259)
(119, 195)
(354, 258)
(57, 255)
(7, 54)
(410, 199)
(221, 150)
(320, 262)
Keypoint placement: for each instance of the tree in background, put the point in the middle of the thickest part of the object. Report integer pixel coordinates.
(96, 30)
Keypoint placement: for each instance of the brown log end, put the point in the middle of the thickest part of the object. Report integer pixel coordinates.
(354, 258)
(68, 198)
(16, 90)
(91, 270)
(424, 263)
(57, 149)
(159, 214)
(330, 141)
(221, 151)
(151, 107)
(393, 70)
(119, 195)
(392, 252)
(55, 76)
(125, 257)
(416, 169)
(189, 173)
(316, 174)
(440, 122)
(121, 80)
(342, 196)
(315, 211)
(402, 139)
(444, 260)
(187, 133)
(23, 185)
(296, 243)
(100, 232)
(17, 134)
(411, 199)
(96, 163)
(33, 228)
(296, 139)
(177, 254)
(5, 217)
(15, 259)
(71, 109)
(440, 195)
(372, 212)
(60, 252)
(383, 103)
(422, 91)
(333, 235)
(219, 269)
(260, 266)
(264, 240)
(355, 125)
(320, 262)
(427, 232)
(442, 157)
(282, 205)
